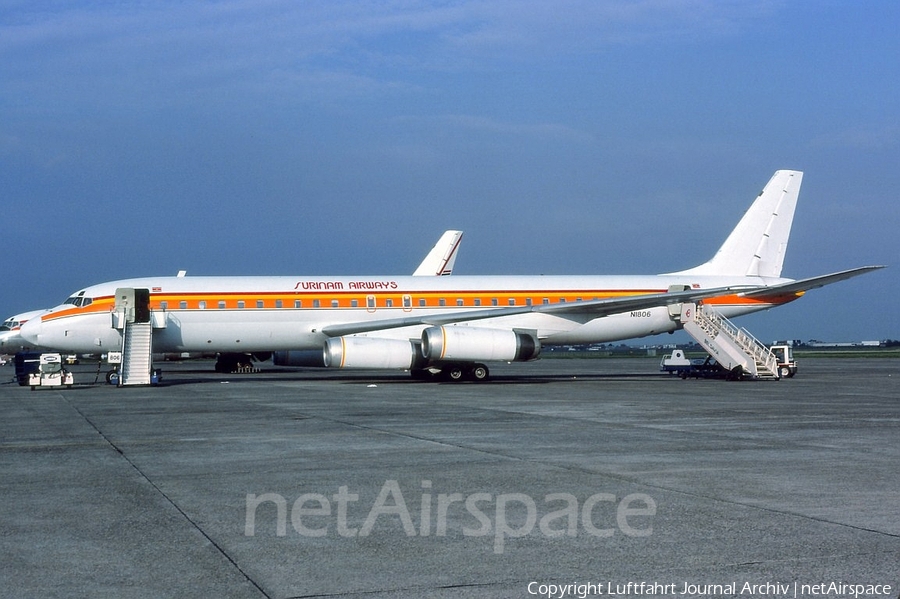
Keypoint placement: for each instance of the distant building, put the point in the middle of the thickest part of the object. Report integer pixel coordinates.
(814, 343)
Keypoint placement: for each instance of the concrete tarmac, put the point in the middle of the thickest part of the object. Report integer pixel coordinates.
(300, 483)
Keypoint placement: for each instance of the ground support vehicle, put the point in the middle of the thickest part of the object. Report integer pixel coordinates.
(50, 373)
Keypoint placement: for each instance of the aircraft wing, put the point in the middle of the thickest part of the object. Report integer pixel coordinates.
(592, 308)
(601, 307)
(802, 285)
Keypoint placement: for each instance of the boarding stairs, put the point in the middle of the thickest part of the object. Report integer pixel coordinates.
(734, 348)
(137, 356)
(135, 321)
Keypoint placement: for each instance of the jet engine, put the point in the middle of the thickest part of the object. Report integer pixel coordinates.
(299, 357)
(469, 344)
(366, 352)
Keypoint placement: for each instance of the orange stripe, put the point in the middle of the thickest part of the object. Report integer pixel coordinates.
(734, 300)
(105, 304)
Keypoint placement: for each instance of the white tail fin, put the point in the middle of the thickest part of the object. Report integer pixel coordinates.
(440, 260)
(757, 245)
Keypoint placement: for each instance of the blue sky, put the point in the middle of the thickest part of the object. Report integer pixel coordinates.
(608, 137)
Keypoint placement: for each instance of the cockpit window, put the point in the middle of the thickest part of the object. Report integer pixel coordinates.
(11, 324)
(78, 301)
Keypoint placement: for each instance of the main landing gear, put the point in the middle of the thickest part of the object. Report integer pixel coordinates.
(231, 363)
(453, 373)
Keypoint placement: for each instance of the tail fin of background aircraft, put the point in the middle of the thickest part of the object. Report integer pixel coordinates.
(440, 260)
(757, 245)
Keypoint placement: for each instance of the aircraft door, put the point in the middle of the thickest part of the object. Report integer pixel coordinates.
(133, 304)
(142, 305)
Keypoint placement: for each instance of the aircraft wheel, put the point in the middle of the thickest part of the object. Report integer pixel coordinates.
(112, 377)
(479, 373)
(454, 373)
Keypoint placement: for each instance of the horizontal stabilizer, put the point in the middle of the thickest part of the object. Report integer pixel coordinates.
(803, 285)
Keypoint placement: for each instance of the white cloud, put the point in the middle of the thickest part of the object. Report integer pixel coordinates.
(350, 35)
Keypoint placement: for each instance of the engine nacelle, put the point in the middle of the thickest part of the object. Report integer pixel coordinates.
(469, 344)
(299, 357)
(366, 352)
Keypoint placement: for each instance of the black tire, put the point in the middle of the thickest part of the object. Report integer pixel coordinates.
(479, 373)
(454, 373)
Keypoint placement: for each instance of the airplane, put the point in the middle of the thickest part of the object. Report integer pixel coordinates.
(438, 262)
(444, 325)
(10, 340)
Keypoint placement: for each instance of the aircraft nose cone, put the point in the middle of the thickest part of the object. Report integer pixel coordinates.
(31, 330)
(9, 339)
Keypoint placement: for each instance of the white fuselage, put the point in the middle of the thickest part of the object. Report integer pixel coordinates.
(261, 314)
